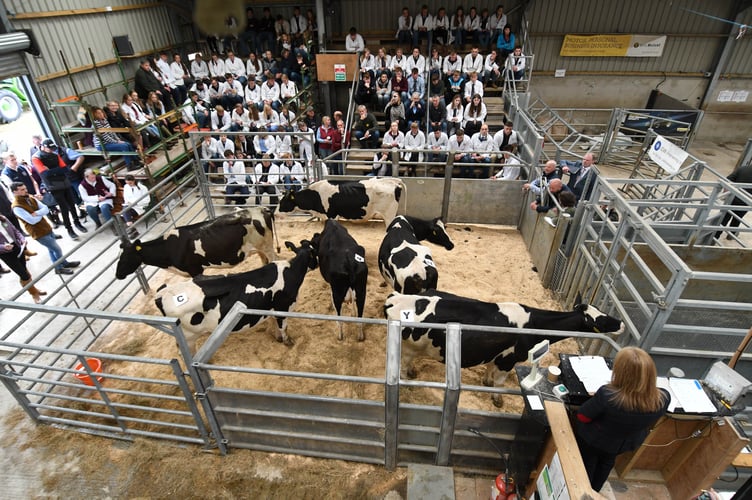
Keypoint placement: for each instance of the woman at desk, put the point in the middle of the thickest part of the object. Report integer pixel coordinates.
(620, 415)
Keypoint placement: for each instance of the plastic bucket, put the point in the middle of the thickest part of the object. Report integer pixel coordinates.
(95, 365)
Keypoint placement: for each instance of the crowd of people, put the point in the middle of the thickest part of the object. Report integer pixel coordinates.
(36, 195)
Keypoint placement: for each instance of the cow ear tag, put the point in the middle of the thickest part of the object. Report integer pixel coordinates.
(359, 258)
(138, 248)
(180, 299)
(407, 315)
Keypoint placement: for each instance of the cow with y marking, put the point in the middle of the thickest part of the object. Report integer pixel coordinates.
(342, 263)
(498, 351)
(356, 200)
(406, 265)
(200, 303)
(221, 242)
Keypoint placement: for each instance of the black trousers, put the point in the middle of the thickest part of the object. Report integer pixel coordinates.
(15, 263)
(598, 463)
(67, 206)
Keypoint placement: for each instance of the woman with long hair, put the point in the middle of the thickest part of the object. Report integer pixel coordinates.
(455, 115)
(475, 115)
(619, 416)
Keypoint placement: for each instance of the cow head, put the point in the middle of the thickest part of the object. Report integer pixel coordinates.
(129, 260)
(438, 234)
(599, 322)
(305, 248)
(288, 203)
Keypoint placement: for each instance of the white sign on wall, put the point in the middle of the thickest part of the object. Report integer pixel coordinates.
(667, 155)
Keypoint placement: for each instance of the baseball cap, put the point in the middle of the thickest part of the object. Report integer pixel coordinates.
(49, 143)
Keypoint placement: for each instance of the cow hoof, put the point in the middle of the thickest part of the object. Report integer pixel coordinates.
(497, 401)
(411, 374)
(383, 284)
(340, 337)
(287, 341)
(488, 383)
(361, 338)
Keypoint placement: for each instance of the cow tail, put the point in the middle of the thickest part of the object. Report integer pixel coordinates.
(274, 230)
(399, 190)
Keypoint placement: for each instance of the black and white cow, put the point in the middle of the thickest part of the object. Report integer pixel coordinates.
(222, 242)
(357, 200)
(200, 303)
(499, 351)
(406, 265)
(342, 263)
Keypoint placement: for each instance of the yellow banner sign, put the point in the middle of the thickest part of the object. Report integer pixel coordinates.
(612, 46)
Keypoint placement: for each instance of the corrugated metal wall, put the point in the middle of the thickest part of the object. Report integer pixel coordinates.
(85, 39)
(693, 44)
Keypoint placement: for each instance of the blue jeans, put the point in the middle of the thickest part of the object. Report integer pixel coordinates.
(93, 212)
(48, 240)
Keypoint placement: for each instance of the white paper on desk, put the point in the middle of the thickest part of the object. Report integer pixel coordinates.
(690, 395)
(662, 382)
(592, 371)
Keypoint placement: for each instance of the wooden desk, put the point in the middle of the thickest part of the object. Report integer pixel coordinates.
(687, 464)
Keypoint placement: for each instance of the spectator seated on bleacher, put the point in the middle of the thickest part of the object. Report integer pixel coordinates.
(253, 68)
(287, 119)
(484, 30)
(217, 68)
(110, 141)
(435, 63)
(270, 94)
(266, 177)
(505, 44)
(269, 119)
(399, 84)
(366, 128)
(288, 92)
(472, 25)
(181, 77)
(240, 118)
(497, 23)
(440, 24)
(415, 60)
(118, 119)
(156, 111)
(437, 142)
(231, 91)
(416, 85)
(199, 70)
(405, 28)
(462, 146)
(393, 140)
(365, 94)
(452, 63)
(423, 27)
(194, 112)
(473, 87)
(475, 115)
(455, 114)
(415, 111)
(515, 65)
(483, 150)
(367, 64)
(398, 60)
(269, 66)
(491, 70)
(455, 86)
(395, 112)
(253, 95)
(383, 91)
(149, 133)
(236, 187)
(293, 175)
(457, 27)
(382, 64)
(220, 120)
(414, 140)
(437, 113)
(354, 42)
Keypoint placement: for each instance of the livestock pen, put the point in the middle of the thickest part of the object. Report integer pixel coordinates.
(389, 421)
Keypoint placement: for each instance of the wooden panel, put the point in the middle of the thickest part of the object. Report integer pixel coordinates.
(325, 66)
(658, 454)
(700, 469)
(562, 434)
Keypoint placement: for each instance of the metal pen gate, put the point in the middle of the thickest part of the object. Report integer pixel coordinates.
(383, 430)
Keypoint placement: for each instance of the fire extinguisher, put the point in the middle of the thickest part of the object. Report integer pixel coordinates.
(503, 488)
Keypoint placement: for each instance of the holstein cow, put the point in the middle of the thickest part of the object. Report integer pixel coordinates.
(200, 303)
(499, 351)
(342, 263)
(222, 242)
(405, 264)
(357, 200)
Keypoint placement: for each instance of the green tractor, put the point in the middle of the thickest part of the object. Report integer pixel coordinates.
(12, 100)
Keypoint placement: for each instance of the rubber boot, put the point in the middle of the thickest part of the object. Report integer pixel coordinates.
(35, 293)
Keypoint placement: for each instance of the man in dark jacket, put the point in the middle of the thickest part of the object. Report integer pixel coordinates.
(146, 82)
(53, 171)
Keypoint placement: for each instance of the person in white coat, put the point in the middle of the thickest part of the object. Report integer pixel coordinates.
(136, 201)
(437, 142)
(415, 140)
(354, 42)
(393, 140)
(265, 179)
